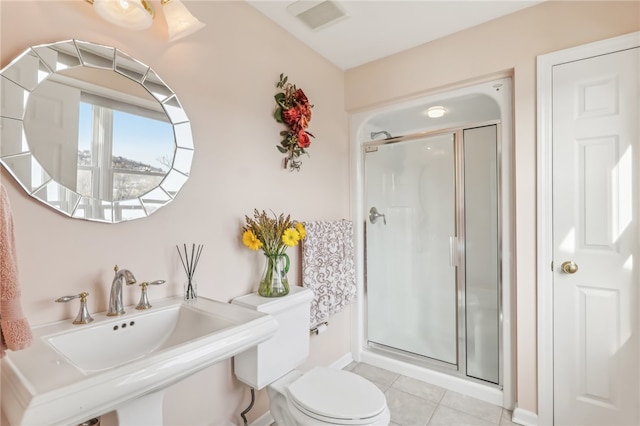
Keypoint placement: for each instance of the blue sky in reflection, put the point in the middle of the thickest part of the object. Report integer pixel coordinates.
(135, 137)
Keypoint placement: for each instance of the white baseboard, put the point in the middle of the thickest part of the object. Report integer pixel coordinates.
(264, 420)
(524, 417)
(343, 361)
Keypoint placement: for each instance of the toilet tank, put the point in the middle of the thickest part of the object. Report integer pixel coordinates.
(287, 348)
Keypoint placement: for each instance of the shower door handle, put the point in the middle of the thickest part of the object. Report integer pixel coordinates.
(453, 250)
(374, 215)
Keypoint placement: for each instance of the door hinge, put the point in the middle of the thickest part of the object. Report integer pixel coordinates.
(552, 266)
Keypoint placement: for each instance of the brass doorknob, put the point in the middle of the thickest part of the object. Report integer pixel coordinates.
(569, 267)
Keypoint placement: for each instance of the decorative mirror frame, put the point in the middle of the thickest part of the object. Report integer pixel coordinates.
(42, 62)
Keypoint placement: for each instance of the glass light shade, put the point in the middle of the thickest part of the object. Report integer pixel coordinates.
(180, 21)
(436, 111)
(130, 14)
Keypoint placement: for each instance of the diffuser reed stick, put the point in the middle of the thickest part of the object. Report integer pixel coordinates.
(189, 264)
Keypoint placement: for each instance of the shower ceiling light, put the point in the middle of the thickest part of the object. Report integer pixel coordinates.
(139, 14)
(436, 111)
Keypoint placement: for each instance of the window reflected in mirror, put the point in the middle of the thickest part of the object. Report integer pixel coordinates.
(121, 155)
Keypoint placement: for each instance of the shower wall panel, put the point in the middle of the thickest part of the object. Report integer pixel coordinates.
(481, 253)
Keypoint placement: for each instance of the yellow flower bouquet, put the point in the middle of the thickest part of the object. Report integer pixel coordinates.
(273, 235)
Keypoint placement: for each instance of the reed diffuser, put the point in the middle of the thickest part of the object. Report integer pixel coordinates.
(189, 264)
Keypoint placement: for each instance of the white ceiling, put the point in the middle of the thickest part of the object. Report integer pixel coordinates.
(374, 29)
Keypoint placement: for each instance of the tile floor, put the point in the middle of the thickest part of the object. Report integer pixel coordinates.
(416, 403)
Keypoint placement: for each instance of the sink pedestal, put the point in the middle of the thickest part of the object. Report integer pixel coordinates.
(143, 411)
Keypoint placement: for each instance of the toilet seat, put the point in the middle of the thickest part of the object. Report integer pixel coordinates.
(336, 396)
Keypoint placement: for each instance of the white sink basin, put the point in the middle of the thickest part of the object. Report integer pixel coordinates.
(72, 373)
(113, 343)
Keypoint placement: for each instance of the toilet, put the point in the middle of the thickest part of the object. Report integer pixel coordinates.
(319, 396)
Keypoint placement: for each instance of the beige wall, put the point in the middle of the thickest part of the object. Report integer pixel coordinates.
(509, 44)
(225, 78)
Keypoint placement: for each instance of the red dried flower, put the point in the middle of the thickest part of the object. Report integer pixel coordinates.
(300, 97)
(303, 139)
(305, 115)
(291, 116)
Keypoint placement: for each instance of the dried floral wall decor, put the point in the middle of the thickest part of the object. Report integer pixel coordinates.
(294, 110)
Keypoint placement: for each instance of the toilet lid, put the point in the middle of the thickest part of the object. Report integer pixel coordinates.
(327, 393)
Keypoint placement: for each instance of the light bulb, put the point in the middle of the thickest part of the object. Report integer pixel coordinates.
(134, 14)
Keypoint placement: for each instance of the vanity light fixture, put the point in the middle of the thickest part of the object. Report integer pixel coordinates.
(436, 111)
(139, 14)
(132, 14)
(180, 21)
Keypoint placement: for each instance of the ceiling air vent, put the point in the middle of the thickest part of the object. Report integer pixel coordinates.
(317, 14)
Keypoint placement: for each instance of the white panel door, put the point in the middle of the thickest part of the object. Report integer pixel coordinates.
(596, 153)
(52, 120)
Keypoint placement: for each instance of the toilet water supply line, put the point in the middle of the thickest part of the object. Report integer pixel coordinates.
(320, 328)
(244, 413)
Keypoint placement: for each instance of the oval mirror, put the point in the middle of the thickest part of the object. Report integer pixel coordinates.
(92, 132)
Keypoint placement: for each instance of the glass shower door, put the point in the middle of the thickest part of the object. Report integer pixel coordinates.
(411, 277)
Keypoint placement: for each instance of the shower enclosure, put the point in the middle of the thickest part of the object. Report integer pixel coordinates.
(432, 262)
(435, 232)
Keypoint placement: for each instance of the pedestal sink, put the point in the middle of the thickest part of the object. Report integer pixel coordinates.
(72, 373)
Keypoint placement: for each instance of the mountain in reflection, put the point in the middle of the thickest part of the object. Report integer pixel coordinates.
(129, 178)
(127, 164)
(120, 163)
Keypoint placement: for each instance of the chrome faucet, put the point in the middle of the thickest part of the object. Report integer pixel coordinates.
(115, 298)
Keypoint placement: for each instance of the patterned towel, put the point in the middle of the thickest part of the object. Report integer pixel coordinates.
(328, 267)
(15, 333)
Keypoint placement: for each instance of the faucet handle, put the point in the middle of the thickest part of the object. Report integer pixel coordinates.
(83, 316)
(144, 300)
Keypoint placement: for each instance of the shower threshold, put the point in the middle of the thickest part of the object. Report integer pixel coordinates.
(431, 371)
(413, 358)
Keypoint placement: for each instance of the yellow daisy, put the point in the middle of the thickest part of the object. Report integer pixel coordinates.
(250, 240)
(301, 230)
(290, 237)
